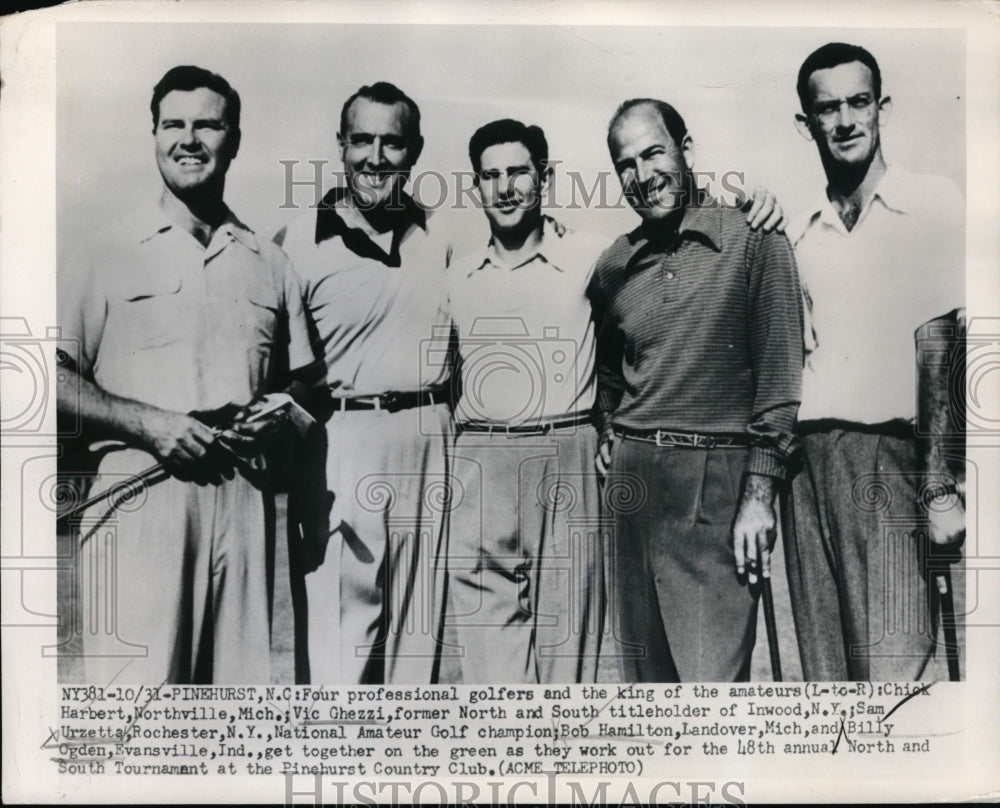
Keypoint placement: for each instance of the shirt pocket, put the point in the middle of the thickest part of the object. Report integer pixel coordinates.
(263, 314)
(261, 334)
(153, 314)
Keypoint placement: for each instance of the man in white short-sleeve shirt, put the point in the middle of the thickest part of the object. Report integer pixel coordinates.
(880, 255)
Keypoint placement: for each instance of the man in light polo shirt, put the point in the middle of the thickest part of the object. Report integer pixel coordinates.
(373, 269)
(179, 308)
(525, 557)
(880, 255)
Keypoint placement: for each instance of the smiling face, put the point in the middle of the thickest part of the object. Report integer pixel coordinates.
(843, 114)
(378, 151)
(510, 188)
(195, 142)
(651, 165)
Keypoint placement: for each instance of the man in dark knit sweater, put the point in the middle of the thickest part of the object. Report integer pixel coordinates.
(699, 372)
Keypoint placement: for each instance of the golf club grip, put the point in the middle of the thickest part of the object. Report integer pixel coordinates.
(772, 631)
(948, 626)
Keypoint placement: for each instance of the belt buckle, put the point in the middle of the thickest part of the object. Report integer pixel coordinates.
(389, 402)
(659, 443)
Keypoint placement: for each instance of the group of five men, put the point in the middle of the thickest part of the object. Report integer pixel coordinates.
(447, 505)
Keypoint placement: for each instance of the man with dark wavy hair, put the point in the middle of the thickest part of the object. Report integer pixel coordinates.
(525, 561)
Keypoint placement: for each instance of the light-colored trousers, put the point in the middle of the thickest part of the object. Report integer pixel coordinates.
(174, 585)
(525, 560)
(373, 607)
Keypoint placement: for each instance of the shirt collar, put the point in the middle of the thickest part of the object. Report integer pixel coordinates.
(331, 223)
(893, 191)
(700, 222)
(552, 249)
(704, 220)
(152, 220)
(235, 229)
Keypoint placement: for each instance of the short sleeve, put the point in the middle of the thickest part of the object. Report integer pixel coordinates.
(941, 287)
(82, 311)
(299, 349)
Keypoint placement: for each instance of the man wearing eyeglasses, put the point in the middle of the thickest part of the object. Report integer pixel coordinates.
(880, 255)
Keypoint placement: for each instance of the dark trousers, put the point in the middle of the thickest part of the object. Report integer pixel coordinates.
(682, 614)
(856, 545)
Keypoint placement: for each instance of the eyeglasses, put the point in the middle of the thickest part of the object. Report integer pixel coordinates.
(826, 111)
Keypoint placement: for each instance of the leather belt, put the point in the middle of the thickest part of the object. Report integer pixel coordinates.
(389, 402)
(687, 440)
(536, 428)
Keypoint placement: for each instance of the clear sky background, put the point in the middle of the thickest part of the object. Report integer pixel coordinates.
(734, 86)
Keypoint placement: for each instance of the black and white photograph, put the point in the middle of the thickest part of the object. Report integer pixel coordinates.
(461, 527)
(452, 396)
